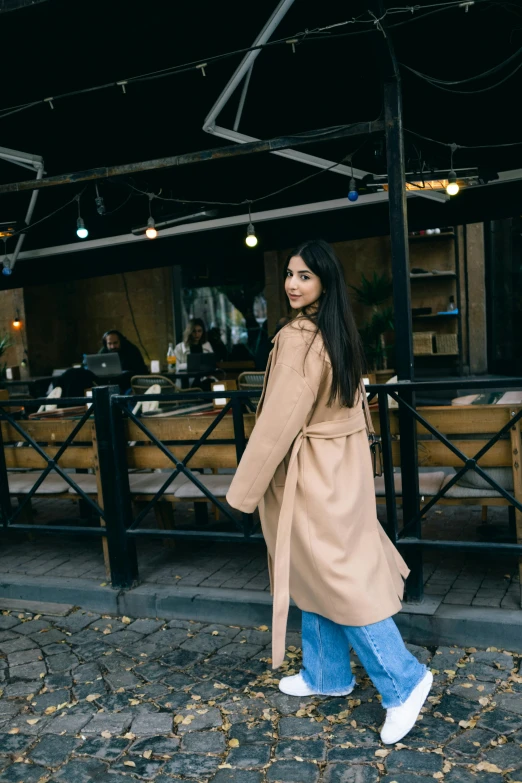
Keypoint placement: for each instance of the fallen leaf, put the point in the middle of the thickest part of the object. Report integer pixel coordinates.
(50, 710)
(126, 620)
(129, 735)
(225, 766)
(483, 701)
(233, 743)
(147, 754)
(297, 758)
(106, 631)
(382, 753)
(485, 766)
(106, 734)
(263, 628)
(195, 697)
(33, 721)
(134, 702)
(103, 584)
(215, 633)
(178, 718)
(438, 775)
(13, 731)
(92, 696)
(129, 764)
(466, 685)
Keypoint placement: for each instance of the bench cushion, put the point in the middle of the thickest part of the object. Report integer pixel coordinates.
(150, 483)
(458, 491)
(218, 484)
(429, 483)
(140, 483)
(22, 483)
(503, 476)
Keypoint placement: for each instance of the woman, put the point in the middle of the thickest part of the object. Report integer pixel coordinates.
(194, 341)
(308, 468)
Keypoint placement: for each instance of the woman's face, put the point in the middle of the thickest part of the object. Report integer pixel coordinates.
(197, 334)
(302, 287)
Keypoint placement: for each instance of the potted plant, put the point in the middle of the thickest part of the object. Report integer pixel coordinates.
(375, 294)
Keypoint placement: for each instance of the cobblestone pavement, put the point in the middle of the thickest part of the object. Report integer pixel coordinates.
(112, 700)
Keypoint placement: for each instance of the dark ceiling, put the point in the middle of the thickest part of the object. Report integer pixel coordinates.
(58, 46)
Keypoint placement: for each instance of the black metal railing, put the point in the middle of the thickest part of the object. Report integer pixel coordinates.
(8, 514)
(111, 414)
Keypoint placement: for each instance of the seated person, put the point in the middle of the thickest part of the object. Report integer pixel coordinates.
(218, 346)
(194, 341)
(130, 356)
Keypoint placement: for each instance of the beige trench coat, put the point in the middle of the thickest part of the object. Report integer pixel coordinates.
(308, 468)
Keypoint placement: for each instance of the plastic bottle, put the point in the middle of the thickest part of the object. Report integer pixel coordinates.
(171, 358)
(451, 305)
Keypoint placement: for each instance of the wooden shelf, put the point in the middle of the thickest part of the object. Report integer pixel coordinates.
(437, 315)
(431, 355)
(427, 237)
(425, 276)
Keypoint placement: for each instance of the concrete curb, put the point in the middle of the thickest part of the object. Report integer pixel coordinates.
(430, 623)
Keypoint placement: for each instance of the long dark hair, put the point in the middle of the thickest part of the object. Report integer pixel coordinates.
(187, 334)
(333, 317)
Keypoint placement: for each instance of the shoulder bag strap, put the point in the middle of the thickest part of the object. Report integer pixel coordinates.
(366, 408)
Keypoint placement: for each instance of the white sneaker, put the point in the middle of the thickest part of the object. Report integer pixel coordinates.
(400, 720)
(296, 686)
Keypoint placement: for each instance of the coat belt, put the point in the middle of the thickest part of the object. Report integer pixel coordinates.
(341, 428)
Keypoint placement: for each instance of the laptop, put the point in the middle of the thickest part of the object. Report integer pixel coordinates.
(201, 362)
(103, 364)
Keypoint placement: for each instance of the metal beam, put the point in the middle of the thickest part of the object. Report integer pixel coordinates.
(209, 225)
(292, 154)
(246, 63)
(220, 153)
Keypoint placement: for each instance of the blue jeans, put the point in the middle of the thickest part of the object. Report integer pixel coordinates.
(394, 671)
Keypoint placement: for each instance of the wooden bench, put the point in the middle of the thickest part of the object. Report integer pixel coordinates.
(469, 427)
(215, 457)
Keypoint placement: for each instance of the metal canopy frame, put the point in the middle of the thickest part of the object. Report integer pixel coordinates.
(33, 163)
(243, 74)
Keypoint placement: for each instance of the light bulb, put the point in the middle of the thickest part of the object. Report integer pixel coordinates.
(17, 323)
(251, 239)
(151, 230)
(81, 231)
(353, 193)
(7, 271)
(452, 187)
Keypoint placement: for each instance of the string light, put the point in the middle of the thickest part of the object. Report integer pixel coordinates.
(250, 239)
(452, 187)
(353, 193)
(81, 231)
(100, 204)
(151, 230)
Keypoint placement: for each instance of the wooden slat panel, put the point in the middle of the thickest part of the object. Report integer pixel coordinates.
(433, 453)
(74, 457)
(458, 419)
(205, 457)
(47, 431)
(188, 428)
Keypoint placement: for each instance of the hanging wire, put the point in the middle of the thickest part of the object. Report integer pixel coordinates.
(317, 34)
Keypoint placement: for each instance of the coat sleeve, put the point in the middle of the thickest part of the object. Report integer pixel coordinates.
(181, 357)
(287, 406)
